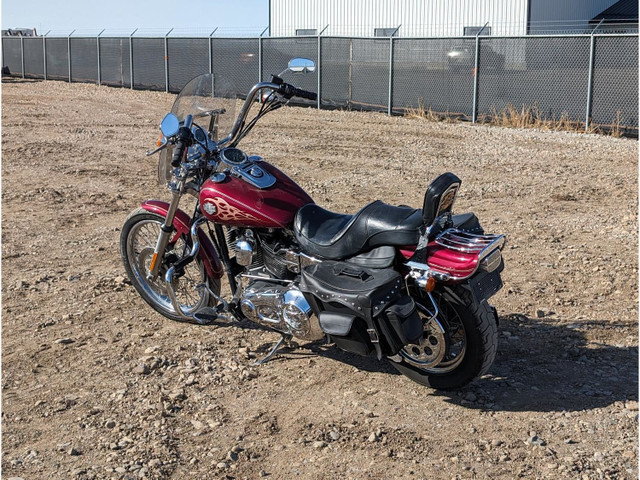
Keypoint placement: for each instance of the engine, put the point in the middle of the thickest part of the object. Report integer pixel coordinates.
(270, 295)
(281, 307)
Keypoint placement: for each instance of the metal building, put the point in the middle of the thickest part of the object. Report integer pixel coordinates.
(431, 18)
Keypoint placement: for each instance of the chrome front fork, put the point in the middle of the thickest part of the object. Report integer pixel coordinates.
(166, 230)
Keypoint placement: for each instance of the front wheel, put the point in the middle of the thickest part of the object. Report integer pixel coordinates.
(137, 243)
(457, 348)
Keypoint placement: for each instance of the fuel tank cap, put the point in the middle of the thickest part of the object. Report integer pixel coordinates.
(218, 177)
(255, 175)
(256, 172)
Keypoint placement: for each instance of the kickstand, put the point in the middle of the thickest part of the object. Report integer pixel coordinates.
(272, 352)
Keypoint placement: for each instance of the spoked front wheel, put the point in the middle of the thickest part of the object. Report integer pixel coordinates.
(137, 244)
(459, 345)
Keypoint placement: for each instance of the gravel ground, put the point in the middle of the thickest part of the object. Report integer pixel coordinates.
(96, 385)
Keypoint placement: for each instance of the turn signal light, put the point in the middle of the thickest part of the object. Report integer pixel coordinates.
(160, 142)
(153, 261)
(430, 285)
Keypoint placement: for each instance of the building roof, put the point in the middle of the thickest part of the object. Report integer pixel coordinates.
(621, 11)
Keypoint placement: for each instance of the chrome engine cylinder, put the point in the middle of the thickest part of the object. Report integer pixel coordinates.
(281, 307)
(244, 253)
(244, 248)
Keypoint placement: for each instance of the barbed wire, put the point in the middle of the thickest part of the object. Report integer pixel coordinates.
(147, 32)
(452, 29)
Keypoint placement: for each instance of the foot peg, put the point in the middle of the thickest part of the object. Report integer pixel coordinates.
(272, 352)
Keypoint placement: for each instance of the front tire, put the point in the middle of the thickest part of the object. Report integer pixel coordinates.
(137, 244)
(466, 320)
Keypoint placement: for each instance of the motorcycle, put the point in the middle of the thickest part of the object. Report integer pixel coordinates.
(407, 285)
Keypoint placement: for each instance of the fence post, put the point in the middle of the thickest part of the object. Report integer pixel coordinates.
(260, 55)
(390, 100)
(131, 57)
(259, 59)
(22, 54)
(98, 52)
(211, 50)
(590, 83)
(69, 53)
(44, 55)
(350, 84)
(592, 51)
(474, 108)
(476, 68)
(166, 61)
(319, 67)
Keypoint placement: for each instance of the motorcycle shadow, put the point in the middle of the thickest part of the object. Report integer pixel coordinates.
(543, 367)
(539, 367)
(366, 364)
(299, 350)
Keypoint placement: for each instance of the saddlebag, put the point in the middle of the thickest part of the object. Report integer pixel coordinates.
(361, 309)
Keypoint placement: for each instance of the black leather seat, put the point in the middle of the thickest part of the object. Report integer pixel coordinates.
(338, 236)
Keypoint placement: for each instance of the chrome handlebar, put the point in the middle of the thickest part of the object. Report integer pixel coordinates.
(244, 111)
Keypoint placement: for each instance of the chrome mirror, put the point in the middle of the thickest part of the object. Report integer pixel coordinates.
(170, 125)
(302, 65)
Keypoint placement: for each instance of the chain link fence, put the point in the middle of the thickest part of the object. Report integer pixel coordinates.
(114, 61)
(615, 81)
(434, 73)
(237, 60)
(547, 74)
(591, 79)
(57, 58)
(84, 59)
(34, 56)
(188, 57)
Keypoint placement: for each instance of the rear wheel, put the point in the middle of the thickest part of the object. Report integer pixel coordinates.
(457, 347)
(137, 244)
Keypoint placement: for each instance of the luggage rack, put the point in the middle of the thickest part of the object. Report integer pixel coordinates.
(481, 245)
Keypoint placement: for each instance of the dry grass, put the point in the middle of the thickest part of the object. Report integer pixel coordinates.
(528, 116)
(424, 113)
(531, 117)
(616, 125)
(427, 113)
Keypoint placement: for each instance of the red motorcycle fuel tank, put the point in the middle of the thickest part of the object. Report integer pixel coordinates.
(234, 201)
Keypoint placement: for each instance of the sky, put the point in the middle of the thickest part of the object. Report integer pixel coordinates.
(122, 16)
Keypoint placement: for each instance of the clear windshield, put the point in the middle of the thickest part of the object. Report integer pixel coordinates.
(212, 102)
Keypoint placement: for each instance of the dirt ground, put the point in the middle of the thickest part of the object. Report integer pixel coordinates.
(96, 385)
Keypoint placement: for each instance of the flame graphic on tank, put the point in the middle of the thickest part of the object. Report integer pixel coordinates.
(226, 212)
(233, 201)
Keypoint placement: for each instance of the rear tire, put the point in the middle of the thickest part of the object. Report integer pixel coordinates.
(137, 242)
(481, 335)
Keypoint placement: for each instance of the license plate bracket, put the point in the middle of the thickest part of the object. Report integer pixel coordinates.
(485, 285)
